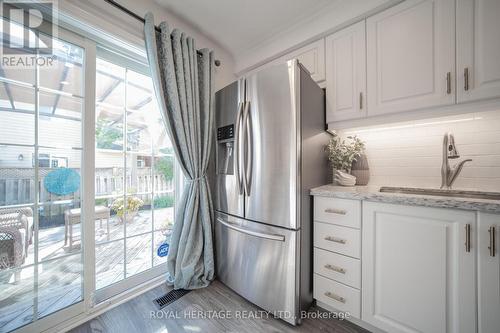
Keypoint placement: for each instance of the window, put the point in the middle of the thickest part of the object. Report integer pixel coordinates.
(133, 153)
(40, 183)
(47, 220)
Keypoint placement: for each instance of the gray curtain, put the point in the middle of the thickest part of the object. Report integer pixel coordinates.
(184, 87)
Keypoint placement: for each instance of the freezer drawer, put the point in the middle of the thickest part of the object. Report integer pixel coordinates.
(259, 263)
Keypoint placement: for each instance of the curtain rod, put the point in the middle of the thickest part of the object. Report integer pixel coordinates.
(139, 18)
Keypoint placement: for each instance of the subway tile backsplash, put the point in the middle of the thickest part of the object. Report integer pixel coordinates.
(410, 153)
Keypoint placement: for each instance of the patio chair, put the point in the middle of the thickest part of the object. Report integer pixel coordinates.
(16, 234)
(20, 218)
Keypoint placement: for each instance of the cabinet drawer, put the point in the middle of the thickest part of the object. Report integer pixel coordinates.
(337, 295)
(337, 239)
(338, 267)
(338, 211)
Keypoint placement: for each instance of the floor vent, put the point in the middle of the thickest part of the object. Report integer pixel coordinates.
(170, 297)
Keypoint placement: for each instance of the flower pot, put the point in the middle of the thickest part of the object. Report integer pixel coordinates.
(129, 217)
(361, 170)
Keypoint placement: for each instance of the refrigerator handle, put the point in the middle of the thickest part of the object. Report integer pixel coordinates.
(275, 237)
(237, 153)
(248, 152)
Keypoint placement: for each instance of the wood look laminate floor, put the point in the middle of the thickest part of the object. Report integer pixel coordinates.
(213, 301)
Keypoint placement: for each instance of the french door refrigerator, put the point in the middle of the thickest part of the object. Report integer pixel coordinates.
(269, 154)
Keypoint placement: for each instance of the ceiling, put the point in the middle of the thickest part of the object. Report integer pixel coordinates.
(241, 25)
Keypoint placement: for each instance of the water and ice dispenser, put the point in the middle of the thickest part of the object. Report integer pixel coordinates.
(225, 150)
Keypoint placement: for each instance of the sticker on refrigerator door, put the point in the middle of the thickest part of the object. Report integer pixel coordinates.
(163, 250)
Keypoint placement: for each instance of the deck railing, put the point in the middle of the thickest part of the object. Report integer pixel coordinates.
(17, 185)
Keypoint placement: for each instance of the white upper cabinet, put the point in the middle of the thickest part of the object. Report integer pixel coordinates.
(417, 273)
(489, 273)
(410, 56)
(312, 56)
(346, 74)
(478, 49)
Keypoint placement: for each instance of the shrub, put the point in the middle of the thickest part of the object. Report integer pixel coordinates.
(165, 201)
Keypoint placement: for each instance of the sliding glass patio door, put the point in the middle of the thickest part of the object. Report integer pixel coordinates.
(134, 173)
(87, 178)
(41, 127)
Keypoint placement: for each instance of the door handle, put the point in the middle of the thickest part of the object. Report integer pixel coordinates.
(248, 153)
(466, 78)
(361, 100)
(237, 154)
(448, 83)
(492, 247)
(335, 239)
(235, 227)
(467, 237)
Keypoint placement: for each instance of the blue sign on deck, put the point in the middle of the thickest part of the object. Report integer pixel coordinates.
(162, 250)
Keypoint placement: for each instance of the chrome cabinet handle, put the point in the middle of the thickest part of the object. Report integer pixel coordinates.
(466, 78)
(492, 247)
(361, 100)
(280, 238)
(448, 83)
(335, 239)
(335, 297)
(467, 237)
(335, 211)
(238, 150)
(335, 268)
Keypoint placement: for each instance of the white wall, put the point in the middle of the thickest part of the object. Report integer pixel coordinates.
(409, 154)
(111, 21)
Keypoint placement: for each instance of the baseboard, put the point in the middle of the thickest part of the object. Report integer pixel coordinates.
(353, 320)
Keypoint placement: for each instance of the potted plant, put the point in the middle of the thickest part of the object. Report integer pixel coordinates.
(127, 212)
(341, 153)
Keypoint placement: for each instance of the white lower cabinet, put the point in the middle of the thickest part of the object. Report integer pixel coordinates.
(418, 269)
(337, 249)
(488, 273)
(421, 269)
(337, 295)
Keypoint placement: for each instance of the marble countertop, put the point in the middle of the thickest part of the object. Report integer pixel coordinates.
(371, 193)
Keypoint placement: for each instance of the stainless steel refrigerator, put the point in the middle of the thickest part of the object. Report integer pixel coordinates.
(270, 129)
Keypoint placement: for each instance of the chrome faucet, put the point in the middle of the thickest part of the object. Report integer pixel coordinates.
(449, 174)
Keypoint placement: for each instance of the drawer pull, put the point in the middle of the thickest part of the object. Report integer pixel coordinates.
(335, 297)
(335, 239)
(335, 268)
(492, 246)
(335, 211)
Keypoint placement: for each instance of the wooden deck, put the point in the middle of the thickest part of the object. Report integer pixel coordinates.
(59, 276)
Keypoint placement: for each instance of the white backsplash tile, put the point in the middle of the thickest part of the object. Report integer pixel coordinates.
(409, 154)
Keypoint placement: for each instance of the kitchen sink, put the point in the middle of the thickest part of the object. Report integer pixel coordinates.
(443, 193)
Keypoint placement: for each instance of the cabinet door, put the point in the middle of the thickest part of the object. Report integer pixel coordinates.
(416, 273)
(346, 74)
(411, 56)
(478, 49)
(489, 273)
(312, 56)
